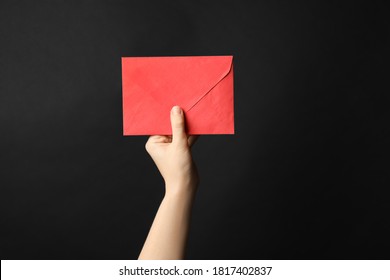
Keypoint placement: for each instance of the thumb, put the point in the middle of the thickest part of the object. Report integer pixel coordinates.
(178, 125)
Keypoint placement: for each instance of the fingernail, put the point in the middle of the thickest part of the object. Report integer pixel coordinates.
(176, 110)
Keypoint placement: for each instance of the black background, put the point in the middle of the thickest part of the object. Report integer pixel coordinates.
(304, 177)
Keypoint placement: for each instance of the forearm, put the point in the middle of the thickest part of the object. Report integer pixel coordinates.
(167, 237)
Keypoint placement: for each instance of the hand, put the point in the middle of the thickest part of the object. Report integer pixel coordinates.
(172, 156)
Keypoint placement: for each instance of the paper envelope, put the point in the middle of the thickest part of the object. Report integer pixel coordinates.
(201, 85)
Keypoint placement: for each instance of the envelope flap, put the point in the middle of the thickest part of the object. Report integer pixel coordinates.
(172, 81)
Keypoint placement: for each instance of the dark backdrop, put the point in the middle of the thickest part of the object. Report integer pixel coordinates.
(305, 176)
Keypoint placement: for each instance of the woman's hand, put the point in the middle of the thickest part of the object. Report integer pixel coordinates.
(172, 155)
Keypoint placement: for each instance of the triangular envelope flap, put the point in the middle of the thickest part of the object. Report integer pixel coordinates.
(179, 81)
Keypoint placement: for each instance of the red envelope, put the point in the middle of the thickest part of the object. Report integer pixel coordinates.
(201, 85)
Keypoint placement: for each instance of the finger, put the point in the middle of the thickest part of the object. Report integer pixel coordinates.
(178, 125)
(159, 139)
(155, 140)
(192, 139)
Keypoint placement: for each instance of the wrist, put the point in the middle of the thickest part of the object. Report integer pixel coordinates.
(180, 191)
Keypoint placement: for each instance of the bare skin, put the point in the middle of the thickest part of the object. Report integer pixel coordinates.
(168, 235)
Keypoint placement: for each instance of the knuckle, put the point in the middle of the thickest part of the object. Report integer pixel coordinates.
(179, 123)
(147, 146)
